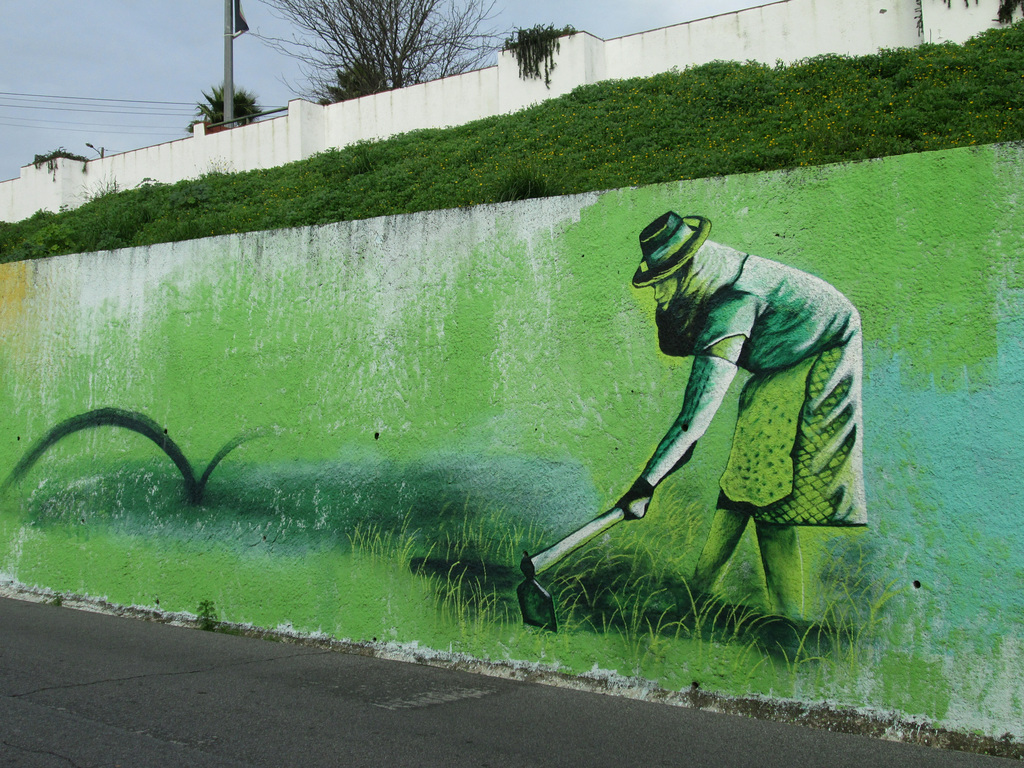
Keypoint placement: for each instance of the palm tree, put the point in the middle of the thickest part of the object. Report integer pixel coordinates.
(212, 110)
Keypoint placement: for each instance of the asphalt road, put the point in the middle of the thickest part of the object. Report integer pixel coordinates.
(84, 689)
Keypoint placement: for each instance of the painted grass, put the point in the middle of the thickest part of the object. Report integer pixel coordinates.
(447, 581)
(628, 594)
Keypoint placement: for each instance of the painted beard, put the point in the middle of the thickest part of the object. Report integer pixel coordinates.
(713, 269)
(679, 324)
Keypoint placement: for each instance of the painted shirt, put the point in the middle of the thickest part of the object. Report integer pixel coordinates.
(797, 447)
(787, 315)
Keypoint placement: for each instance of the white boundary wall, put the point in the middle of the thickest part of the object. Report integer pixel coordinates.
(787, 30)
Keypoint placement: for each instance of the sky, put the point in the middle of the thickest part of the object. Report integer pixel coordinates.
(57, 57)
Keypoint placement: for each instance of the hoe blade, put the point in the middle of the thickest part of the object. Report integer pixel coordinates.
(537, 605)
(535, 602)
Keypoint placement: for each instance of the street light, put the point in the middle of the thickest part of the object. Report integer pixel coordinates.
(234, 25)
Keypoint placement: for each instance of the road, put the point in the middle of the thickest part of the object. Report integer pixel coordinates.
(84, 689)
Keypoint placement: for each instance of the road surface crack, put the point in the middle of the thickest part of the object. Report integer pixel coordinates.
(178, 673)
(20, 748)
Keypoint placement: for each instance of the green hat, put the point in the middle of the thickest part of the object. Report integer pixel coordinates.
(668, 243)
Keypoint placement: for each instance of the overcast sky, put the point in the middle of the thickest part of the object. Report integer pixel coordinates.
(171, 51)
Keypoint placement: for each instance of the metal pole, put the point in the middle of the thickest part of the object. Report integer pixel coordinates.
(229, 75)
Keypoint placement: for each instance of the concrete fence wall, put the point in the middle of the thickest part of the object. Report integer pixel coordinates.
(787, 31)
(357, 429)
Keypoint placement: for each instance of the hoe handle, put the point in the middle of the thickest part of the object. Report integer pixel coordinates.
(544, 560)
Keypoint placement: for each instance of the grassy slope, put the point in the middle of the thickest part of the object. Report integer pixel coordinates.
(716, 119)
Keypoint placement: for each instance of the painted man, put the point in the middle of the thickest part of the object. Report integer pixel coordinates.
(796, 456)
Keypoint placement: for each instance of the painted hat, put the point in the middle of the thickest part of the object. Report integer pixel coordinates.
(667, 243)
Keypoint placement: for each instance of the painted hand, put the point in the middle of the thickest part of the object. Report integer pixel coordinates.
(634, 502)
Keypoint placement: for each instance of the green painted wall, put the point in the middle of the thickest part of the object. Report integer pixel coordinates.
(425, 396)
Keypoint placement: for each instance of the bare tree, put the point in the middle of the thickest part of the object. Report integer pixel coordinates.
(358, 47)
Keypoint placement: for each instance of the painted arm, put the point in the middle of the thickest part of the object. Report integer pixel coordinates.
(713, 372)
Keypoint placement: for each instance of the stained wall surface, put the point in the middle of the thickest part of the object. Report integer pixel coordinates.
(357, 429)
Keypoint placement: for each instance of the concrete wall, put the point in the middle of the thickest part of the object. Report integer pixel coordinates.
(956, 22)
(356, 429)
(782, 31)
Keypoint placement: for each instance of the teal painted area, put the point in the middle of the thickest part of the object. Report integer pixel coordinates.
(436, 392)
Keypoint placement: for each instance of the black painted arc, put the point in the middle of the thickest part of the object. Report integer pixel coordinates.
(228, 448)
(119, 417)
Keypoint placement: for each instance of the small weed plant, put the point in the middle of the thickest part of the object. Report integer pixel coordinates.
(206, 613)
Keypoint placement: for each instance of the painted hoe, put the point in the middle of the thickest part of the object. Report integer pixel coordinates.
(535, 602)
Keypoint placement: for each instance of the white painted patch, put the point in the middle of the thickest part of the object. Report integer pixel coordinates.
(433, 698)
(12, 558)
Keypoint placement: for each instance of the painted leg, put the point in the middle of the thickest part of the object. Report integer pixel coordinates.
(783, 567)
(726, 529)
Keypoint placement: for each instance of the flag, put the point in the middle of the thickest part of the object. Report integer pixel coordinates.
(240, 25)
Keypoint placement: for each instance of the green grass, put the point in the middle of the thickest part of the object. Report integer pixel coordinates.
(716, 119)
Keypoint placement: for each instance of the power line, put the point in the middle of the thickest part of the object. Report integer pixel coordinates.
(100, 110)
(31, 121)
(92, 98)
(89, 103)
(16, 102)
(95, 131)
(156, 107)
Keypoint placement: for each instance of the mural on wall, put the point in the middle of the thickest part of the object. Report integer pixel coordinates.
(795, 459)
(418, 401)
(796, 455)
